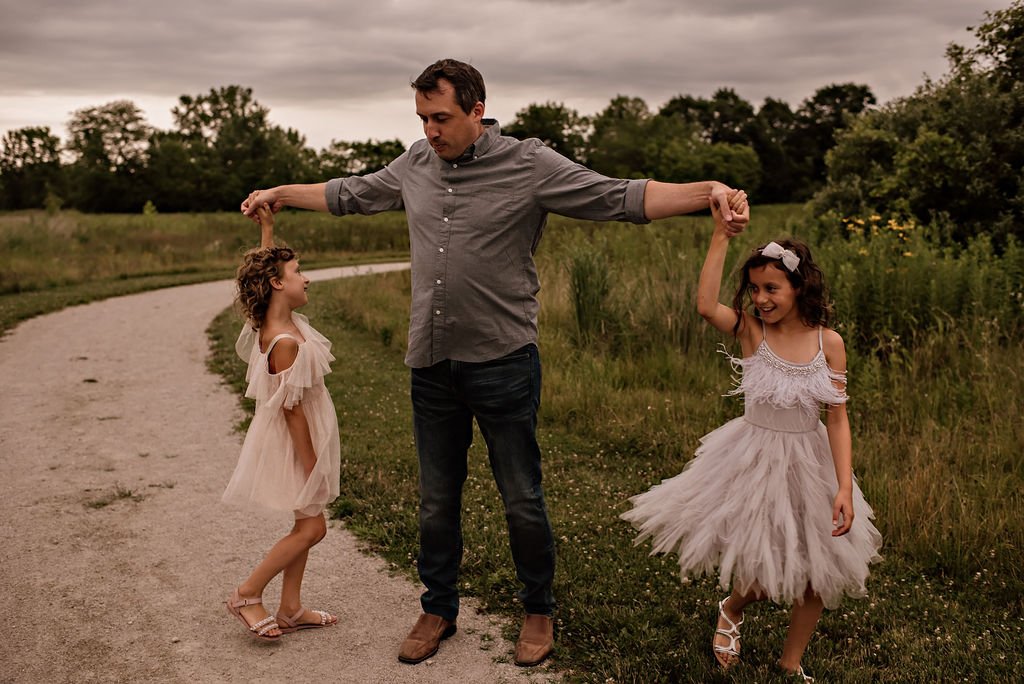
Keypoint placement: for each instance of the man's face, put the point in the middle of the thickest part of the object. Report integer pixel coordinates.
(449, 130)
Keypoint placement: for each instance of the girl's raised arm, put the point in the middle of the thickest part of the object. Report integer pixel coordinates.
(714, 312)
(266, 217)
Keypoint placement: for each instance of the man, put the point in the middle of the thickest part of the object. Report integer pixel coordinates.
(477, 204)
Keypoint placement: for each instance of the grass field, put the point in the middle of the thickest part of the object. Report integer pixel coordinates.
(49, 261)
(632, 382)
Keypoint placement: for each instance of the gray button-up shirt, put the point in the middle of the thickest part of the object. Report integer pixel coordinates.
(474, 225)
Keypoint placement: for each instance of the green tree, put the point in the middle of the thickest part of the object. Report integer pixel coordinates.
(831, 109)
(725, 118)
(225, 133)
(342, 158)
(616, 147)
(233, 148)
(30, 167)
(629, 142)
(951, 155)
(685, 157)
(109, 144)
(289, 159)
(729, 131)
(770, 138)
(694, 111)
(560, 128)
(172, 174)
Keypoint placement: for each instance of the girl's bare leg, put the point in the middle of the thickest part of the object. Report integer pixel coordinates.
(291, 581)
(801, 626)
(733, 609)
(287, 550)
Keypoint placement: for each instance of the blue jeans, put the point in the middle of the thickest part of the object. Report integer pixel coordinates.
(503, 395)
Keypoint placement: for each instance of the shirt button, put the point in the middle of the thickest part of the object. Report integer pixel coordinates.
(440, 249)
(437, 312)
(455, 166)
(446, 219)
(449, 189)
(438, 282)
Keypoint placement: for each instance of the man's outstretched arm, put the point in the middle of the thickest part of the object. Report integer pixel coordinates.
(662, 200)
(311, 196)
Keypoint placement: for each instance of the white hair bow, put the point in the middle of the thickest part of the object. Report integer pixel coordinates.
(773, 250)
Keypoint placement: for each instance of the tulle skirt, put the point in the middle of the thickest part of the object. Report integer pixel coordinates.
(756, 503)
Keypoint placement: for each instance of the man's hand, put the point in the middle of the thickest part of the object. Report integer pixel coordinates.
(258, 198)
(733, 207)
(740, 211)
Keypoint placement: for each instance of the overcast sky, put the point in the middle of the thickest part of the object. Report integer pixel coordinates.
(340, 69)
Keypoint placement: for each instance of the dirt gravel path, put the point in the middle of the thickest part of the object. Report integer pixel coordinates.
(116, 554)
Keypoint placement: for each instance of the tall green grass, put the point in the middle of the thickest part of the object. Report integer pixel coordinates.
(39, 250)
(936, 376)
(633, 381)
(52, 260)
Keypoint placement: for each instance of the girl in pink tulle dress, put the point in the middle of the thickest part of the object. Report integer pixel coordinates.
(769, 498)
(291, 457)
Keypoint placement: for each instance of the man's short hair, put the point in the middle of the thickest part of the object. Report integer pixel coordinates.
(465, 79)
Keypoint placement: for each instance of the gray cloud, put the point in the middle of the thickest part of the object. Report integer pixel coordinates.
(309, 57)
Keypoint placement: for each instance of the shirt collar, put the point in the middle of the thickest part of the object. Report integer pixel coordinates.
(491, 133)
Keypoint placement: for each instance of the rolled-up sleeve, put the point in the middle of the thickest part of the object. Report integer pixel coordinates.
(369, 194)
(570, 189)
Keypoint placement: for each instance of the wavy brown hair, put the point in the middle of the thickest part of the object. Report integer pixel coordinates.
(253, 280)
(813, 302)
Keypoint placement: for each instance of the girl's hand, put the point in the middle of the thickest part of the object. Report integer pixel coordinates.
(738, 200)
(732, 206)
(265, 216)
(842, 506)
(740, 215)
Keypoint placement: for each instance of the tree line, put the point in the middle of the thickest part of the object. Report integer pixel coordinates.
(949, 157)
(222, 145)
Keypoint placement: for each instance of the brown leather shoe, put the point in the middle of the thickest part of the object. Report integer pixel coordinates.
(536, 640)
(425, 638)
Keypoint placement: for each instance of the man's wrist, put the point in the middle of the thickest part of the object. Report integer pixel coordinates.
(715, 187)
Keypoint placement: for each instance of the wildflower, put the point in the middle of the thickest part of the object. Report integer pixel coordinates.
(908, 254)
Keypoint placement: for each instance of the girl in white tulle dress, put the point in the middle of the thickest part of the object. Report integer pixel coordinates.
(291, 457)
(769, 498)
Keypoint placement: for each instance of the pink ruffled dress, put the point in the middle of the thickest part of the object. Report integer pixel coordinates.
(756, 500)
(268, 474)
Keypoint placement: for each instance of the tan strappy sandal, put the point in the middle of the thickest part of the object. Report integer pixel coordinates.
(292, 624)
(260, 629)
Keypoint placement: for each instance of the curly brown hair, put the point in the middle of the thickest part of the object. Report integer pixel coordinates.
(813, 302)
(253, 280)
